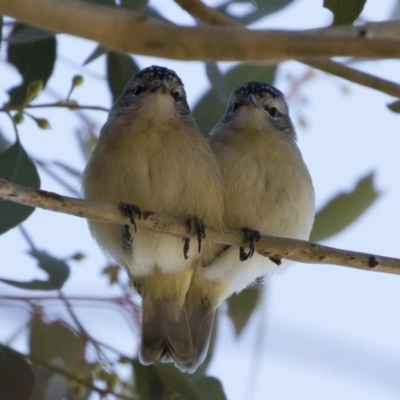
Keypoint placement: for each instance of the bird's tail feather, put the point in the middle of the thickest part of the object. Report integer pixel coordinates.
(200, 321)
(166, 335)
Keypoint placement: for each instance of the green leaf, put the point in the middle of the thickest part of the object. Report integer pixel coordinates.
(34, 61)
(97, 52)
(120, 68)
(211, 388)
(16, 166)
(395, 106)
(344, 209)
(16, 376)
(28, 34)
(57, 270)
(148, 383)
(153, 13)
(210, 108)
(241, 307)
(181, 383)
(56, 343)
(134, 5)
(264, 8)
(56, 339)
(4, 143)
(103, 2)
(344, 11)
(217, 80)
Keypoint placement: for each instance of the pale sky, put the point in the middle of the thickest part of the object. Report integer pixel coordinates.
(322, 332)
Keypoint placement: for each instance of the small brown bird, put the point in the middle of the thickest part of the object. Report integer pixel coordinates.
(151, 154)
(267, 188)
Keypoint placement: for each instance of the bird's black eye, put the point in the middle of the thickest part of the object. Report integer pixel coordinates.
(273, 112)
(177, 96)
(138, 89)
(234, 107)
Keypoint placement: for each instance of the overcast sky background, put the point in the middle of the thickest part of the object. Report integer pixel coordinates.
(322, 331)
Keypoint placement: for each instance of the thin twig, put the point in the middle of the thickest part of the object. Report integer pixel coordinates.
(27, 237)
(57, 177)
(70, 105)
(125, 30)
(269, 246)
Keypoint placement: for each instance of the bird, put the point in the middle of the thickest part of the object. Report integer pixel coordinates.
(151, 155)
(267, 190)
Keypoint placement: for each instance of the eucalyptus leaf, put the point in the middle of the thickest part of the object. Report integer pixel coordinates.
(110, 3)
(210, 108)
(45, 341)
(34, 61)
(120, 68)
(4, 143)
(395, 106)
(264, 8)
(59, 344)
(344, 209)
(57, 270)
(16, 166)
(180, 382)
(211, 388)
(242, 306)
(28, 34)
(148, 383)
(344, 11)
(97, 52)
(217, 80)
(16, 376)
(134, 5)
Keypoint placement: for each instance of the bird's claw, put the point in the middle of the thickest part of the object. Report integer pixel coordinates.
(251, 236)
(129, 210)
(198, 225)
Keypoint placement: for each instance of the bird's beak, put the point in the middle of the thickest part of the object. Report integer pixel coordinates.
(252, 100)
(157, 86)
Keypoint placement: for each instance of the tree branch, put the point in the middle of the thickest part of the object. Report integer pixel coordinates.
(353, 75)
(269, 246)
(122, 29)
(210, 16)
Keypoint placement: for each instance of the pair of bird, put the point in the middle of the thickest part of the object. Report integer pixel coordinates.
(250, 173)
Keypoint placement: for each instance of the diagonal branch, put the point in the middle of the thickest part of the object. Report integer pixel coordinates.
(126, 30)
(212, 17)
(269, 246)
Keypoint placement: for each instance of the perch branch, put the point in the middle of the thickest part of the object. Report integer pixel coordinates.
(269, 246)
(211, 16)
(125, 30)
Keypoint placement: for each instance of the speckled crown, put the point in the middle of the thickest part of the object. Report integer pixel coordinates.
(159, 73)
(259, 88)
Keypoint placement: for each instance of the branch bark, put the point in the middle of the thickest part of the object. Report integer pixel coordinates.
(125, 30)
(269, 246)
